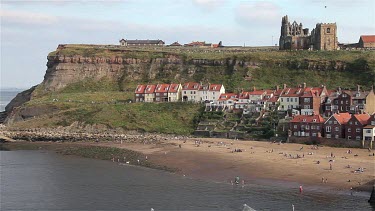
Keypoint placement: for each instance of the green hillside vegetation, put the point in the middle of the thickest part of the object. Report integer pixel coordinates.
(111, 109)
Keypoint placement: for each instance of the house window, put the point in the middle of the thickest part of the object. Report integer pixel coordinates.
(356, 123)
(358, 138)
(295, 133)
(317, 127)
(336, 136)
(312, 127)
(350, 123)
(349, 130)
(328, 30)
(368, 131)
(337, 129)
(349, 137)
(287, 99)
(328, 108)
(313, 134)
(282, 100)
(358, 130)
(306, 100)
(328, 129)
(328, 136)
(335, 122)
(372, 122)
(307, 134)
(330, 122)
(184, 92)
(295, 126)
(307, 127)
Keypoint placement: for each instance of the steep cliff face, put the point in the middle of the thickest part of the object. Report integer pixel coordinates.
(64, 70)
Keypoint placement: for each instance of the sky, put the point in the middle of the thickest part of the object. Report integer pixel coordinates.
(30, 29)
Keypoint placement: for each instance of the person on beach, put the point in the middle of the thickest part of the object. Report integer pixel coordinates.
(330, 166)
(322, 179)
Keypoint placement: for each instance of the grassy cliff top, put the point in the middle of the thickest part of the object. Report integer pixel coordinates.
(244, 53)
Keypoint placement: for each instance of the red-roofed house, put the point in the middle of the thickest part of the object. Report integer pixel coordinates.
(334, 127)
(243, 100)
(367, 41)
(354, 128)
(228, 100)
(306, 125)
(150, 93)
(289, 98)
(211, 92)
(174, 92)
(161, 93)
(190, 92)
(140, 93)
(271, 103)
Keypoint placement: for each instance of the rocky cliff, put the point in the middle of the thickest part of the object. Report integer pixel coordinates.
(64, 70)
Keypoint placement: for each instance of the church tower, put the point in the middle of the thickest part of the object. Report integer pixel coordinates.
(325, 37)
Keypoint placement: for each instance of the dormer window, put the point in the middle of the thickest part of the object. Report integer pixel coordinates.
(304, 120)
(314, 120)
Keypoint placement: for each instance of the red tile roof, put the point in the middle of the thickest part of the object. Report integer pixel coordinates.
(173, 87)
(308, 118)
(244, 95)
(368, 38)
(228, 96)
(191, 86)
(257, 92)
(342, 118)
(150, 89)
(162, 88)
(215, 87)
(362, 118)
(273, 99)
(292, 92)
(140, 89)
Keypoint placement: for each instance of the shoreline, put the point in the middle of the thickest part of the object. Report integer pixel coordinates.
(213, 160)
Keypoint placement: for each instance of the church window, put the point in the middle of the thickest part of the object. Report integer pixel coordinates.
(328, 30)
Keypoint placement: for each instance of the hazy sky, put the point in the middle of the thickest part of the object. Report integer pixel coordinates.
(30, 29)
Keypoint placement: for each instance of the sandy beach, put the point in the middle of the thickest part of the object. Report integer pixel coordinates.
(217, 159)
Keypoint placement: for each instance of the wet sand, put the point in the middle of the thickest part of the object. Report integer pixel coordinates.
(215, 159)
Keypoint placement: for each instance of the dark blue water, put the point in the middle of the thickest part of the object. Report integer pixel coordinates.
(38, 180)
(6, 96)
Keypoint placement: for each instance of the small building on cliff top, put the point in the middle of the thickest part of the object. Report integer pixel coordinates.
(124, 42)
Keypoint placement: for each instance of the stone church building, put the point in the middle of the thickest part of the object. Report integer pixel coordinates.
(295, 37)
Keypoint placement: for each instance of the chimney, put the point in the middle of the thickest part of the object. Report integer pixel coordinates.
(284, 86)
(339, 89)
(254, 88)
(358, 88)
(304, 85)
(277, 88)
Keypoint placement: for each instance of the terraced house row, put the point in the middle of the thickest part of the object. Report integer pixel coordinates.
(188, 92)
(338, 126)
(300, 100)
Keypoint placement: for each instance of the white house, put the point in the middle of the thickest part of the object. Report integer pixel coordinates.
(289, 99)
(210, 92)
(190, 92)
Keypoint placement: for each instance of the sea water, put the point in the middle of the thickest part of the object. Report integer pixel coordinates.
(44, 180)
(6, 96)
